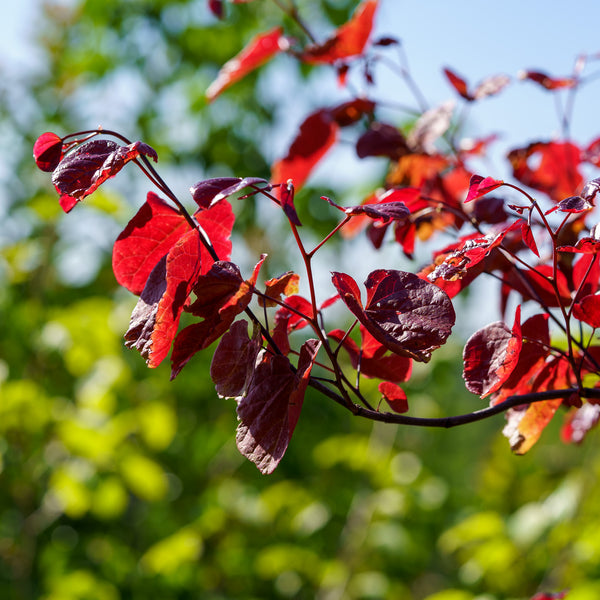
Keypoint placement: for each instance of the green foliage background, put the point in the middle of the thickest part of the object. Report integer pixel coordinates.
(116, 484)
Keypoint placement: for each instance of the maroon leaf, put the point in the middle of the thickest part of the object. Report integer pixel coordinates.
(317, 134)
(480, 186)
(350, 112)
(233, 361)
(286, 195)
(349, 40)
(588, 310)
(148, 237)
(547, 82)
(394, 395)
(257, 52)
(490, 356)
(385, 209)
(382, 139)
(216, 8)
(84, 169)
(210, 191)
(155, 319)
(269, 411)
(406, 314)
(574, 204)
(47, 151)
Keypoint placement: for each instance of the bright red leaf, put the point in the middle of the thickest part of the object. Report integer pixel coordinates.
(588, 310)
(394, 395)
(261, 48)
(349, 40)
(547, 82)
(480, 186)
(47, 151)
(317, 134)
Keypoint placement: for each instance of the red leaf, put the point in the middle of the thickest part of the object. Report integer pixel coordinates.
(547, 82)
(155, 318)
(350, 112)
(47, 151)
(536, 285)
(148, 237)
(286, 195)
(257, 52)
(480, 186)
(233, 361)
(528, 238)
(409, 316)
(586, 275)
(317, 134)
(548, 596)
(84, 169)
(558, 172)
(216, 8)
(349, 40)
(382, 139)
(573, 204)
(588, 310)
(458, 83)
(217, 222)
(210, 191)
(269, 411)
(394, 395)
(491, 355)
(385, 209)
(586, 245)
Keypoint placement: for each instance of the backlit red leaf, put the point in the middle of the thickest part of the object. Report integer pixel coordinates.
(480, 186)
(588, 310)
(394, 395)
(528, 238)
(458, 83)
(409, 316)
(547, 82)
(284, 285)
(348, 40)
(490, 356)
(217, 222)
(317, 134)
(47, 151)
(147, 238)
(269, 411)
(155, 318)
(259, 50)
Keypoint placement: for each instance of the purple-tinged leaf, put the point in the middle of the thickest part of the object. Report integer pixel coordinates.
(491, 355)
(269, 411)
(286, 195)
(216, 8)
(210, 191)
(382, 139)
(574, 204)
(480, 186)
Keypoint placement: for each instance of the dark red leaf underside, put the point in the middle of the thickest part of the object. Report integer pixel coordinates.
(259, 50)
(349, 40)
(210, 191)
(382, 139)
(490, 356)
(409, 316)
(269, 411)
(47, 151)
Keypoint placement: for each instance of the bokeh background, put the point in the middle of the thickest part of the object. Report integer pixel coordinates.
(116, 484)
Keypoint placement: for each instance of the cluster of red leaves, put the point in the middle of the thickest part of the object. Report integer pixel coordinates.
(180, 263)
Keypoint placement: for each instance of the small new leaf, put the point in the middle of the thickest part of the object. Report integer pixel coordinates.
(210, 191)
(47, 151)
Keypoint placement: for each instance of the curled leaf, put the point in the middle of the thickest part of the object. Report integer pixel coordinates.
(47, 151)
(394, 395)
(210, 191)
(480, 186)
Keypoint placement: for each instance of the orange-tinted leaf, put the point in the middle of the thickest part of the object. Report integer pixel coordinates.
(349, 40)
(458, 83)
(547, 82)
(394, 395)
(284, 285)
(317, 134)
(261, 48)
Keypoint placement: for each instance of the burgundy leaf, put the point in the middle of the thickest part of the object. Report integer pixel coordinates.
(233, 361)
(574, 204)
(490, 356)
(286, 195)
(47, 151)
(550, 83)
(350, 112)
(84, 169)
(382, 139)
(349, 40)
(208, 192)
(406, 314)
(259, 50)
(458, 83)
(269, 411)
(394, 395)
(216, 8)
